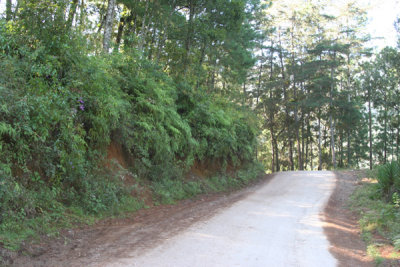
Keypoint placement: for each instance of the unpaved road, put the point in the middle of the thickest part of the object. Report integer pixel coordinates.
(278, 224)
(279, 221)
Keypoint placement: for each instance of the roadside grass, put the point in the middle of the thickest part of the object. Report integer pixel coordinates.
(169, 191)
(379, 219)
(15, 234)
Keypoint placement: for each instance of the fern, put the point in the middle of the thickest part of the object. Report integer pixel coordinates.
(7, 129)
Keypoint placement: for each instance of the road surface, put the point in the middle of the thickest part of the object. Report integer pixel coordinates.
(279, 224)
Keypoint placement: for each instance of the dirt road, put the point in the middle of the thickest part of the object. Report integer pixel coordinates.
(276, 225)
(279, 221)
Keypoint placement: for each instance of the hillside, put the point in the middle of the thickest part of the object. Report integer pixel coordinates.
(84, 130)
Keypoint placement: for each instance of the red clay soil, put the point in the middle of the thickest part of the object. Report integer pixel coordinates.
(117, 152)
(341, 224)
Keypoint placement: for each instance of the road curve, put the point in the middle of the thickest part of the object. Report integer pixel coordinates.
(278, 224)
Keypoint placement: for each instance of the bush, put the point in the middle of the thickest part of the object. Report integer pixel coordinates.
(168, 191)
(61, 105)
(378, 213)
(222, 131)
(389, 179)
(159, 139)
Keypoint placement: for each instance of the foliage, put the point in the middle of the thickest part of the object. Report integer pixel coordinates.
(62, 101)
(389, 180)
(378, 213)
(223, 132)
(169, 191)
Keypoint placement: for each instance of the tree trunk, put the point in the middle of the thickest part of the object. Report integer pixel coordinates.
(393, 142)
(341, 149)
(296, 119)
(397, 143)
(302, 143)
(319, 144)
(332, 124)
(72, 12)
(16, 9)
(199, 68)
(296, 115)
(308, 137)
(370, 127)
(8, 10)
(348, 100)
(214, 67)
(271, 114)
(189, 33)
(143, 29)
(311, 155)
(285, 98)
(121, 26)
(259, 82)
(82, 16)
(291, 154)
(108, 26)
(348, 148)
(273, 155)
(277, 164)
(150, 46)
(385, 130)
(160, 45)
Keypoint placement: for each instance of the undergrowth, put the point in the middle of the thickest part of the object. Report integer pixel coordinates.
(168, 191)
(378, 204)
(54, 216)
(61, 105)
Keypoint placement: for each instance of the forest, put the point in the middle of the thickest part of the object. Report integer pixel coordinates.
(179, 84)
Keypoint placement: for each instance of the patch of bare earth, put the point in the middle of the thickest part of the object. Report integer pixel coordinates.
(341, 224)
(115, 238)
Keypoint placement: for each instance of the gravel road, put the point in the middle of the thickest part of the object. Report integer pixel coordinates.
(278, 224)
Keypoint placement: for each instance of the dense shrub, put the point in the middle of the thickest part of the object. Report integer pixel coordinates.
(222, 131)
(152, 130)
(389, 179)
(61, 105)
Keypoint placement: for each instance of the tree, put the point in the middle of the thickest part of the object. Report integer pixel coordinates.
(108, 26)
(8, 10)
(311, 54)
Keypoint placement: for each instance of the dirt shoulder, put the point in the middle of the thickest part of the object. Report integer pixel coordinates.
(341, 224)
(115, 238)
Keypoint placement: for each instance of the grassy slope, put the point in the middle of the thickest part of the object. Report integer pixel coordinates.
(167, 191)
(379, 220)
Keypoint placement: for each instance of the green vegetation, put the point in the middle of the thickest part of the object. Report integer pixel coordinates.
(377, 202)
(64, 97)
(179, 84)
(169, 191)
(326, 99)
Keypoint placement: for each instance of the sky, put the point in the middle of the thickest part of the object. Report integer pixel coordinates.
(381, 16)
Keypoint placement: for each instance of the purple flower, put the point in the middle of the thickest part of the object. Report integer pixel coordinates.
(82, 107)
(81, 100)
